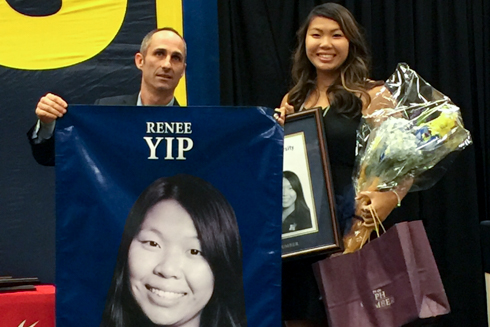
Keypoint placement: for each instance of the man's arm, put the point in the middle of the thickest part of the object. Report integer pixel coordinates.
(49, 108)
(43, 152)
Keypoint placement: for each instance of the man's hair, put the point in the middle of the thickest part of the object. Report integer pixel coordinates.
(147, 39)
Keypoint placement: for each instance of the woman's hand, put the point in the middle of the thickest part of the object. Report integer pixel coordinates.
(382, 203)
(284, 110)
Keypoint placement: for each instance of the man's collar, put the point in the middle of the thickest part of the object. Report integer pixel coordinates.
(140, 103)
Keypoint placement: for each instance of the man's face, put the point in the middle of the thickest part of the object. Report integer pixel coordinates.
(163, 64)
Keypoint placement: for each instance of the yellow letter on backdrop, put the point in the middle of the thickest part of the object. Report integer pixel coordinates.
(77, 32)
(169, 14)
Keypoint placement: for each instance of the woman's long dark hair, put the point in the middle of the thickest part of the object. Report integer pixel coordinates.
(354, 72)
(300, 203)
(217, 229)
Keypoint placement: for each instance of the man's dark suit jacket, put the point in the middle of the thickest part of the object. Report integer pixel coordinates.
(44, 152)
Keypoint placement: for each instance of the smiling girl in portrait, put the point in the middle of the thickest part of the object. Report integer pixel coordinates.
(295, 212)
(179, 261)
(331, 71)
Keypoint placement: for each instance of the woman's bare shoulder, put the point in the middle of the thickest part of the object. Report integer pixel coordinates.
(380, 99)
(377, 90)
(374, 86)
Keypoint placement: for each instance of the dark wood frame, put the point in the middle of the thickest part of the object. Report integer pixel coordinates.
(327, 238)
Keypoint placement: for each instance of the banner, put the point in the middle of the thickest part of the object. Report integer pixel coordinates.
(167, 215)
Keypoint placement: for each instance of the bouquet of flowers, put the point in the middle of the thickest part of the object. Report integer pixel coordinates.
(413, 129)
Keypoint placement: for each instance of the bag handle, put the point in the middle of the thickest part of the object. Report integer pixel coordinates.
(377, 223)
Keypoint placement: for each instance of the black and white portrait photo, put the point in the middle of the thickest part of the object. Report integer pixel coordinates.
(298, 205)
(179, 261)
(296, 215)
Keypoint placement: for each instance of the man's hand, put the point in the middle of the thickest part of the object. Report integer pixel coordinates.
(50, 107)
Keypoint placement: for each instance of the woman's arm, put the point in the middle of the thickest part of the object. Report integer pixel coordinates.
(381, 202)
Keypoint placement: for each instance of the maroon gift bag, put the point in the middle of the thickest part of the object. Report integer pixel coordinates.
(391, 281)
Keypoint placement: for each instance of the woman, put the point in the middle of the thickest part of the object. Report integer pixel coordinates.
(331, 70)
(179, 261)
(295, 212)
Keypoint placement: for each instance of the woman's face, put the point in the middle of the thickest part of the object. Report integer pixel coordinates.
(288, 194)
(327, 47)
(170, 279)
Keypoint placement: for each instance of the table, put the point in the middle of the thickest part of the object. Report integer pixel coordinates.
(28, 308)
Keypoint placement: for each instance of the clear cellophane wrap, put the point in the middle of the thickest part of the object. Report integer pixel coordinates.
(403, 143)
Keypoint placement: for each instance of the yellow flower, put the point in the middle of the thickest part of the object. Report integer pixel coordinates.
(443, 124)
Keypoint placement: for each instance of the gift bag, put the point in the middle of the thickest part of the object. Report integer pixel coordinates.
(391, 281)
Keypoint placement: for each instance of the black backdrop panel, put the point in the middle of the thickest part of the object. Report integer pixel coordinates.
(448, 44)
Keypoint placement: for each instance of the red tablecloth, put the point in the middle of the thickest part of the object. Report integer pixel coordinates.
(28, 308)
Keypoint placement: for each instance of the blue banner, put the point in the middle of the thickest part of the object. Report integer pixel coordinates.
(168, 215)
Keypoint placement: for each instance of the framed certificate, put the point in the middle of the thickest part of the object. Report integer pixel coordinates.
(309, 223)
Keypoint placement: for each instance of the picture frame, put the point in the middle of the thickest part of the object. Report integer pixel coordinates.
(311, 227)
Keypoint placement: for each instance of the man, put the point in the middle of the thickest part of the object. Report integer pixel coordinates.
(162, 61)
